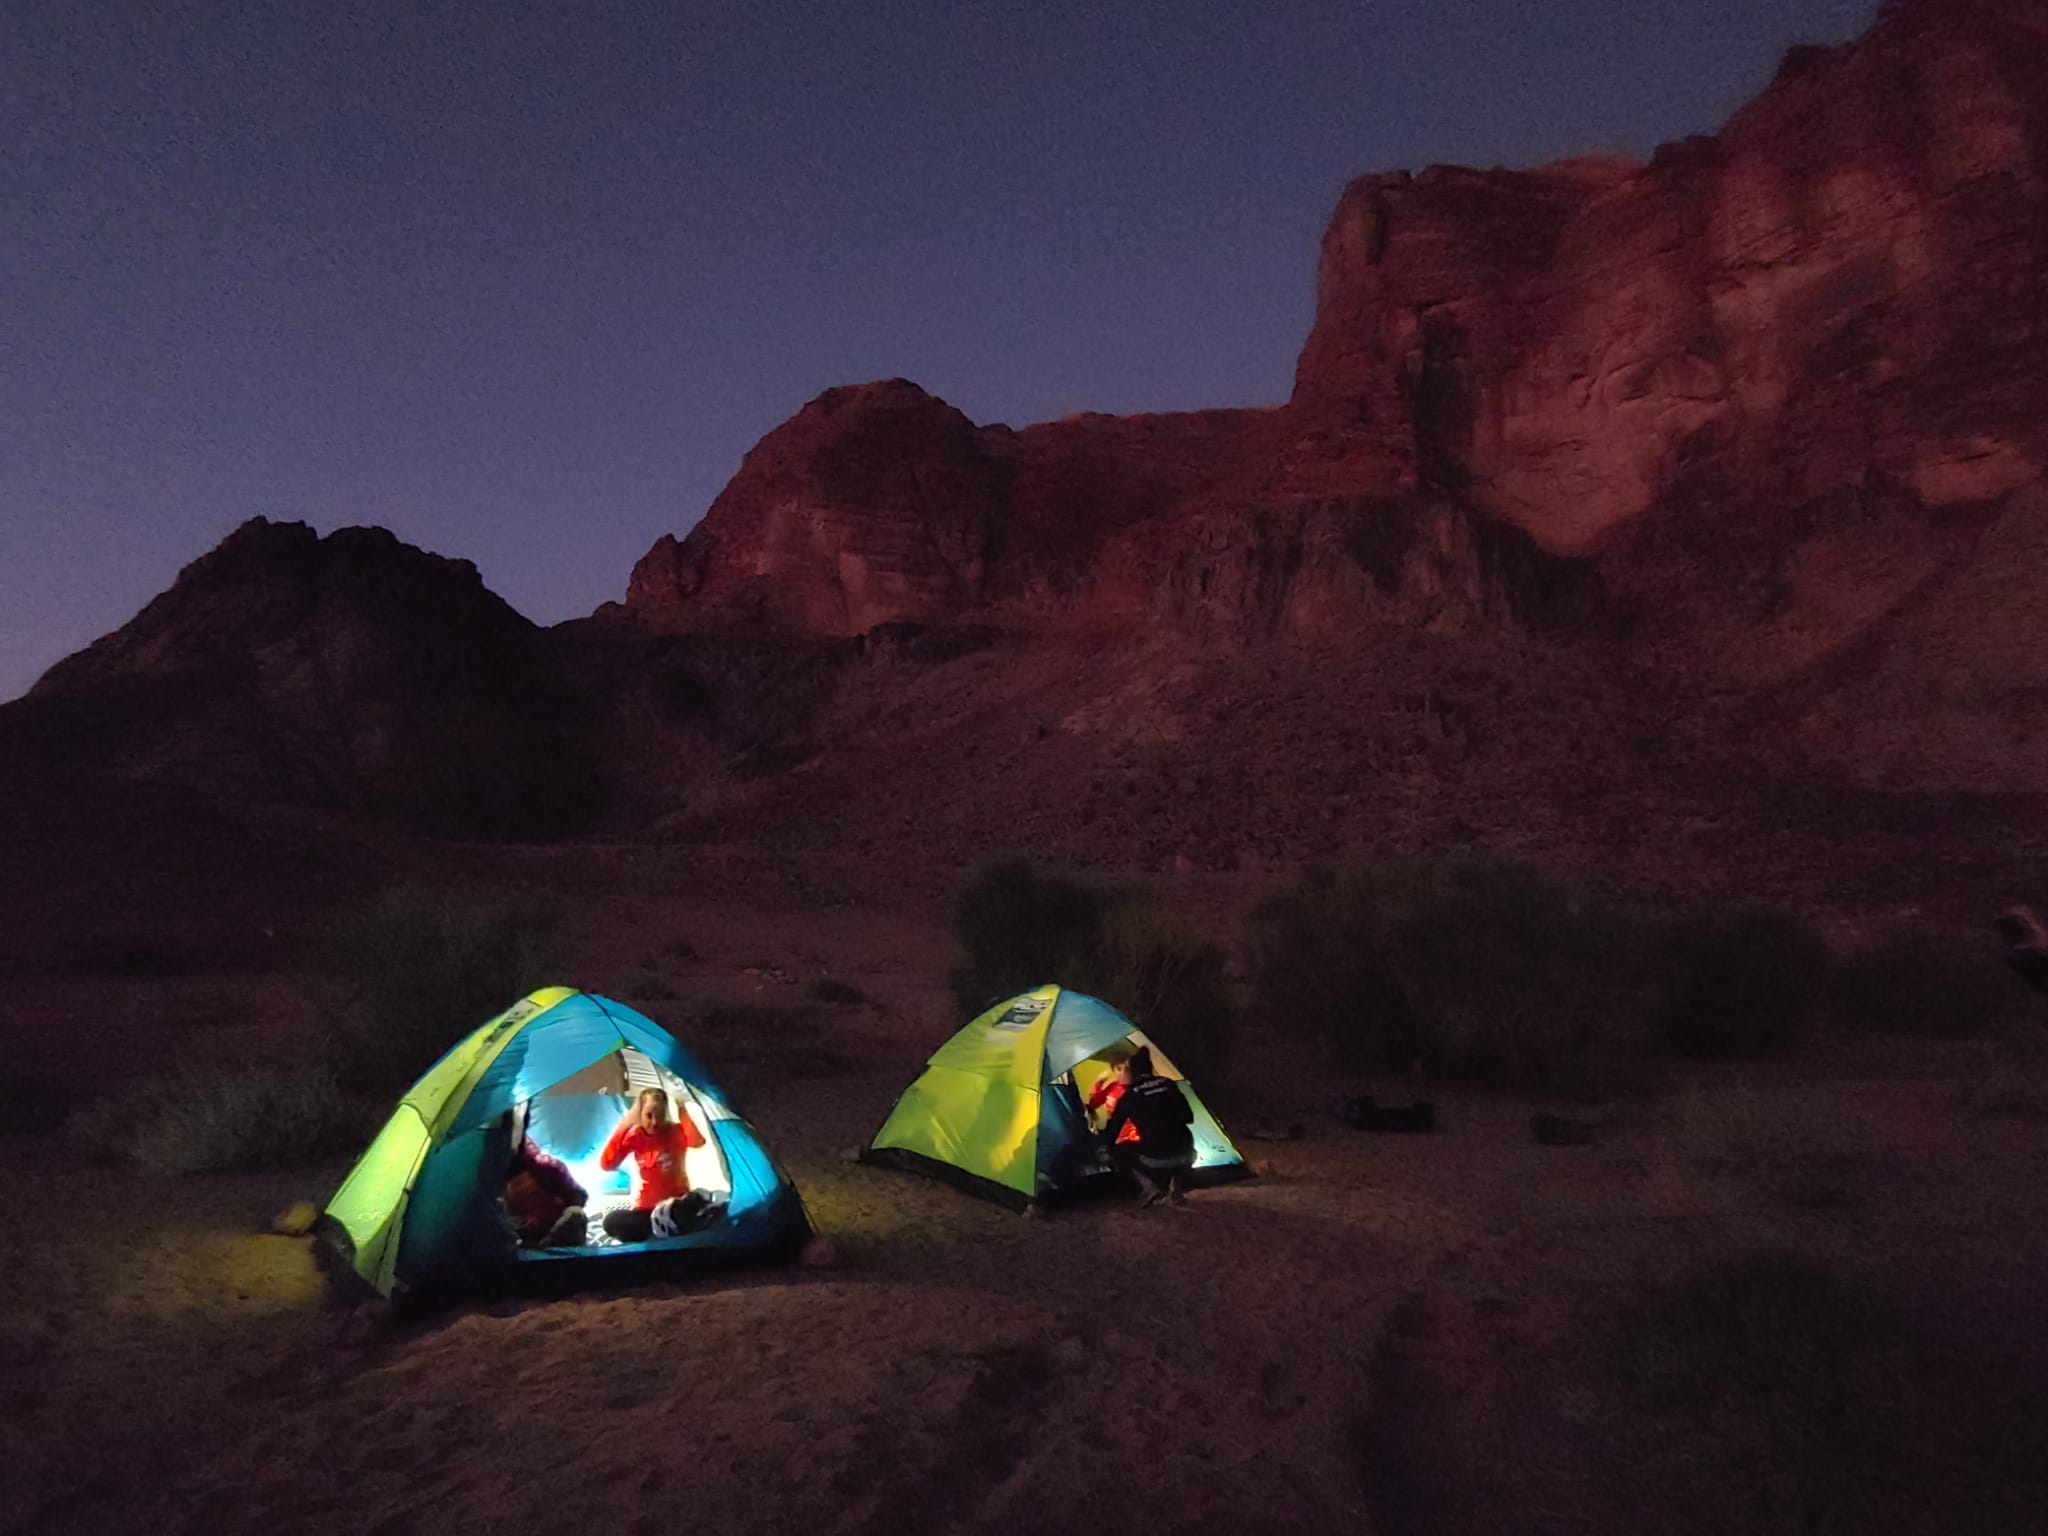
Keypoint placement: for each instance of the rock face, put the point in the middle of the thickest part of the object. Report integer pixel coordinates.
(352, 672)
(874, 503)
(1842, 297)
(1850, 280)
(1593, 476)
(879, 504)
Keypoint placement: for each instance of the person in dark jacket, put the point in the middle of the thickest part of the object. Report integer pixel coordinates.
(1165, 1148)
(544, 1200)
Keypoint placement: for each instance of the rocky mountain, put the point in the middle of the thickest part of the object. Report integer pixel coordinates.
(1753, 405)
(1709, 489)
(351, 673)
(880, 504)
(1846, 284)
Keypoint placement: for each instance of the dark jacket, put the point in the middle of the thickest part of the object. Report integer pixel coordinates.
(538, 1189)
(1157, 1107)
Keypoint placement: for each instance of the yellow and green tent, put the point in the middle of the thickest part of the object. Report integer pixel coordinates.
(420, 1214)
(999, 1107)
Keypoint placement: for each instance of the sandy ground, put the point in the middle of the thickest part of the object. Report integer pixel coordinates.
(1229, 1366)
(1378, 1333)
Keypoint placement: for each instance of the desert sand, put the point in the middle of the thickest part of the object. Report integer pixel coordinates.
(1378, 1333)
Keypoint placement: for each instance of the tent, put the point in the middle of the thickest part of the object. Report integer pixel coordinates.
(420, 1213)
(999, 1108)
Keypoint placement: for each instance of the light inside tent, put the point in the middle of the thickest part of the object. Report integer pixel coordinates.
(574, 1118)
(1212, 1148)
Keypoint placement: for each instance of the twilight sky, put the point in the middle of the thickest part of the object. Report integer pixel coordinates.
(523, 281)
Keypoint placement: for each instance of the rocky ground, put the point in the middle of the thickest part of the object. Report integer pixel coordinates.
(1401, 1334)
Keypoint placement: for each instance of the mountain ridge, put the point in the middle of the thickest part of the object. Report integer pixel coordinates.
(1698, 480)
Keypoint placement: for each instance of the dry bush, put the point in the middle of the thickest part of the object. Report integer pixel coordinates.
(1800, 1156)
(1156, 968)
(1738, 985)
(399, 980)
(201, 1005)
(1772, 1396)
(32, 1103)
(2007, 1075)
(647, 987)
(260, 1117)
(1917, 981)
(836, 993)
(789, 1036)
(133, 955)
(1016, 927)
(1475, 968)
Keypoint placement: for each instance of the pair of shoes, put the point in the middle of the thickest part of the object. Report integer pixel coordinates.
(1151, 1199)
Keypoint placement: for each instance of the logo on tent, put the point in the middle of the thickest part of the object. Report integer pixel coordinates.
(1020, 1015)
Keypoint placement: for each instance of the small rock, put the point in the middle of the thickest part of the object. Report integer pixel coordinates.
(362, 1326)
(821, 1253)
(296, 1219)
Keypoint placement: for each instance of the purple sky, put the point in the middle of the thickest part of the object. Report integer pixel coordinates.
(522, 282)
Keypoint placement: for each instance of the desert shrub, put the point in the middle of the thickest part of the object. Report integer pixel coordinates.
(1737, 985)
(840, 994)
(1476, 968)
(263, 1117)
(792, 1035)
(2005, 1075)
(2013, 1098)
(399, 980)
(1154, 967)
(1770, 1395)
(1318, 955)
(1921, 982)
(127, 954)
(1768, 1324)
(741, 1016)
(31, 1103)
(1016, 927)
(1805, 1155)
(647, 987)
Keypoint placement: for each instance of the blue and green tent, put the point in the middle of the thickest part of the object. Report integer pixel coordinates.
(420, 1214)
(1000, 1107)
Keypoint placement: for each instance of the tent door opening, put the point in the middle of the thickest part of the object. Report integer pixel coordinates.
(573, 1119)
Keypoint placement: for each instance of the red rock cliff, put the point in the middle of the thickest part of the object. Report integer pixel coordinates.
(1841, 295)
(1848, 280)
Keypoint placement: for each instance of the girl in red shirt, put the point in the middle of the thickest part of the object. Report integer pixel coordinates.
(657, 1145)
(1108, 1089)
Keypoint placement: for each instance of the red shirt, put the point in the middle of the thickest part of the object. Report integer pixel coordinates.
(1104, 1095)
(657, 1157)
